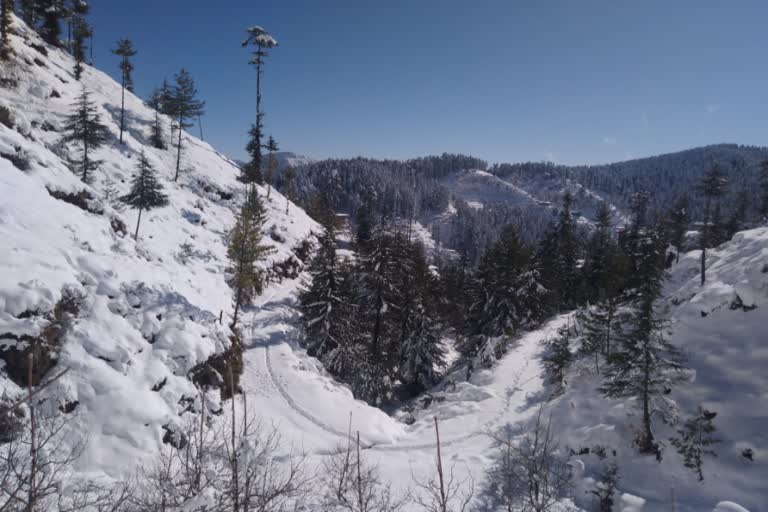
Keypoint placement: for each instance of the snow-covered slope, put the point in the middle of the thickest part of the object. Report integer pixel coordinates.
(150, 308)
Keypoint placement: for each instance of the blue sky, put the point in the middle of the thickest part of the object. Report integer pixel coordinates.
(567, 81)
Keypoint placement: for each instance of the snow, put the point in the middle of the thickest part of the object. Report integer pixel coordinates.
(147, 317)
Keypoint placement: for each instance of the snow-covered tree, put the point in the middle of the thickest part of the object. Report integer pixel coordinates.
(645, 364)
(422, 353)
(605, 488)
(559, 254)
(6, 11)
(325, 304)
(600, 326)
(245, 250)
(146, 191)
(84, 126)
(51, 12)
(269, 177)
(125, 50)
(558, 358)
(695, 440)
(156, 103)
(183, 105)
(678, 225)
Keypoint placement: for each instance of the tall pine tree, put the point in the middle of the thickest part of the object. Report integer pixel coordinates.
(146, 191)
(125, 50)
(245, 250)
(645, 364)
(81, 30)
(51, 12)
(84, 126)
(184, 105)
(271, 163)
(712, 187)
(156, 103)
(678, 222)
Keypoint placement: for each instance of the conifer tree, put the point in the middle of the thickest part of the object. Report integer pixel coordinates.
(80, 30)
(738, 218)
(184, 106)
(325, 303)
(645, 364)
(365, 218)
(271, 163)
(261, 40)
(51, 12)
(84, 126)
(29, 12)
(678, 225)
(156, 103)
(606, 488)
(695, 439)
(712, 188)
(289, 175)
(6, 10)
(125, 51)
(559, 255)
(600, 325)
(763, 206)
(599, 265)
(245, 250)
(558, 358)
(716, 232)
(146, 191)
(422, 353)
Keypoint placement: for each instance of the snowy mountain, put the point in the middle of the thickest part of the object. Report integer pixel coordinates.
(131, 320)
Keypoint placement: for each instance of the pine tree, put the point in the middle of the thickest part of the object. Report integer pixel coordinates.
(738, 218)
(717, 229)
(325, 303)
(558, 358)
(559, 253)
(606, 488)
(271, 163)
(712, 188)
(365, 218)
(6, 11)
(763, 207)
(678, 225)
(599, 266)
(289, 175)
(184, 106)
(80, 30)
(600, 325)
(29, 12)
(645, 364)
(156, 103)
(146, 191)
(695, 439)
(51, 12)
(125, 51)
(84, 126)
(245, 250)
(261, 40)
(422, 353)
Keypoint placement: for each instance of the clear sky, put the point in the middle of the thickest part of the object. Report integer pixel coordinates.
(568, 81)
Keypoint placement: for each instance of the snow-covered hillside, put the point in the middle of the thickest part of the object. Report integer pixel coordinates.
(148, 312)
(149, 309)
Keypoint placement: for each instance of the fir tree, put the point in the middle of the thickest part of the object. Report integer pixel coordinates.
(605, 488)
(84, 126)
(716, 231)
(51, 12)
(29, 12)
(365, 218)
(763, 207)
(156, 103)
(712, 187)
(599, 265)
(184, 105)
(559, 255)
(80, 30)
(245, 250)
(289, 175)
(738, 218)
(600, 325)
(146, 191)
(125, 51)
(695, 439)
(422, 353)
(678, 225)
(261, 40)
(271, 163)
(325, 305)
(6, 10)
(645, 364)
(558, 358)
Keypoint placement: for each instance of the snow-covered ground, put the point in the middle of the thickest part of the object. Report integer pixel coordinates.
(150, 313)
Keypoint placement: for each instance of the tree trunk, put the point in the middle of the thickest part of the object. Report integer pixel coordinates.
(703, 238)
(235, 473)
(138, 221)
(85, 161)
(32, 496)
(122, 110)
(646, 441)
(178, 153)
